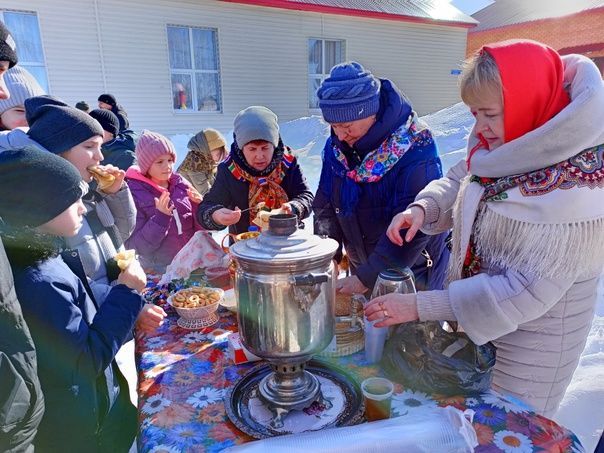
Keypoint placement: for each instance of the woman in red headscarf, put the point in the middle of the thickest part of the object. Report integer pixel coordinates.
(527, 216)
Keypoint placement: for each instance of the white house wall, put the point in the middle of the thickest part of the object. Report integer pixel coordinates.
(263, 55)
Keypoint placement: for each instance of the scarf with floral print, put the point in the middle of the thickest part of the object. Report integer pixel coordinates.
(583, 171)
(264, 188)
(378, 162)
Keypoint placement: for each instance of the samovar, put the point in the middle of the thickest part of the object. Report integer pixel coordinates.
(285, 290)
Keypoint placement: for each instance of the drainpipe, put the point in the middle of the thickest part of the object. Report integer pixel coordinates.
(100, 43)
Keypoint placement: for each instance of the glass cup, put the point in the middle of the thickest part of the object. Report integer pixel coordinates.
(377, 393)
(375, 339)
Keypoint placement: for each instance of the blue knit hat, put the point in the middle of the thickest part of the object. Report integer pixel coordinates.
(350, 93)
(56, 126)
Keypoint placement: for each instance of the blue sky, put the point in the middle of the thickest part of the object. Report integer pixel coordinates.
(470, 6)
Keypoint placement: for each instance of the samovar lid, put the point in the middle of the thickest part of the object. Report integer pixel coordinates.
(283, 244)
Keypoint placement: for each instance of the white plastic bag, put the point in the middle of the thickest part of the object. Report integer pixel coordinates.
(201, 252)
(436, 430)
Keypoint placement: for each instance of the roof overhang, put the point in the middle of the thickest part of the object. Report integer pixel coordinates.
(324, 9)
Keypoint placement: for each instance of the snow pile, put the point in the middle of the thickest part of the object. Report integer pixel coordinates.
(450, 128)
(582, 409)
(306, 136)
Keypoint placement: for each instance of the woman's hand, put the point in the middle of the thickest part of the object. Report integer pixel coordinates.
(224, 216)
(392, 309)
(412, 218)
(150, 318)
(163, 204)
(287, 208)
(119, 179)
(194, 195)
(350, 285)
(133, 276)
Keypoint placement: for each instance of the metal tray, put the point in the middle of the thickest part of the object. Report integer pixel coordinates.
(242, 403)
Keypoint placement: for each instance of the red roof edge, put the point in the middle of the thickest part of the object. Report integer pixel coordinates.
(283, 4)
(582, 48)
(541, 21)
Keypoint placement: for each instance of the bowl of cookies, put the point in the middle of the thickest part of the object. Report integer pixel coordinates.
(196, 306)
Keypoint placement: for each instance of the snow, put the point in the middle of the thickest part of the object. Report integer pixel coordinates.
(582, 409)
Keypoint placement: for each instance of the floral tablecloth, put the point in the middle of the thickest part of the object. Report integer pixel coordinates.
(183, 376)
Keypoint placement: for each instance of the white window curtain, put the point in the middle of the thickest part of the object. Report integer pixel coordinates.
(195, 69)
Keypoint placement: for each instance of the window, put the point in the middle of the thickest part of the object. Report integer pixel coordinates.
(323, 54)
(194, 69)
(25, 30)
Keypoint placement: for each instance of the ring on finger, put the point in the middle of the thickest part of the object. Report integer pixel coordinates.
(386, 315)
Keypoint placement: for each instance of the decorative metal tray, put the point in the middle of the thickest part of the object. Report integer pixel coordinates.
(251, 415)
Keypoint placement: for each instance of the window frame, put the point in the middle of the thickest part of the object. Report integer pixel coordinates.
(193, 72)
(321, 76)
(26, 63)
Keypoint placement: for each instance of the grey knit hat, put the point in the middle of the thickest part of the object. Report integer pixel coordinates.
(21, 85)
(350, 93)
(256, 123)
(56, 127)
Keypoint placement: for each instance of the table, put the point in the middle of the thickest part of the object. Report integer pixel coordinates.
(183, 376)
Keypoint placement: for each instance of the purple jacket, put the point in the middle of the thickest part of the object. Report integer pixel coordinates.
(158, 237)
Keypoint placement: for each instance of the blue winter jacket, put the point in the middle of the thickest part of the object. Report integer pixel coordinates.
(76, 339)
(362, 228)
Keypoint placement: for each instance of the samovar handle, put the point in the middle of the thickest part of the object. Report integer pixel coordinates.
(306, 288)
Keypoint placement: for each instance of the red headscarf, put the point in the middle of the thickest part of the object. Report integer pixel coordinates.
(532, 75)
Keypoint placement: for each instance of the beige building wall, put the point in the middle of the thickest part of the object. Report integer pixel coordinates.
(120, 47)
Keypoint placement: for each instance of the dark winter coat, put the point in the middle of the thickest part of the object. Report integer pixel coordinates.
(77, 339)
(120, 151)
(229, 192)
(363, 232)
(21, 400)
(156, 236)
(122, 117)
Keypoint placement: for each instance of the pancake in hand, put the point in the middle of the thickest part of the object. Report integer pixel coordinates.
(103, 177)
(123, 259)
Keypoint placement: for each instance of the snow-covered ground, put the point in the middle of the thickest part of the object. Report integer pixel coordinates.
(582, 409)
